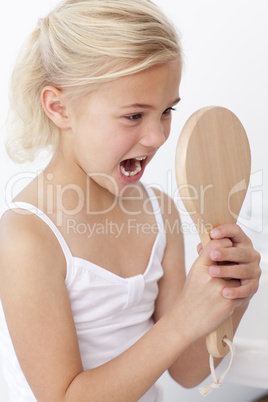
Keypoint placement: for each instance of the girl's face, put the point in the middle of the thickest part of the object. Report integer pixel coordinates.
(122, 125)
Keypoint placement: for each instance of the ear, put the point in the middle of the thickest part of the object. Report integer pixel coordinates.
(52, 102)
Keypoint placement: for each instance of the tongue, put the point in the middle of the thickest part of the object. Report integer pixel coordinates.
(129, 165)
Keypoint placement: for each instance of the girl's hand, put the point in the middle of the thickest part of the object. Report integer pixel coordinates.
(212, 292)
(239, 261)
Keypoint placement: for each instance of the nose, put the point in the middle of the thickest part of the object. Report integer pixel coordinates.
(154, 136)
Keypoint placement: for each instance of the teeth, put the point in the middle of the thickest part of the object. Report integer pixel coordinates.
(140, 159)
(124, 171)
(137, 170)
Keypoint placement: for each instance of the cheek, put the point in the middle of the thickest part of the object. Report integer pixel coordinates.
(104, 140)
(119, 140)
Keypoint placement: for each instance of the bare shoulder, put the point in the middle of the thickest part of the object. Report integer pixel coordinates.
(36, 304)
(24, 237)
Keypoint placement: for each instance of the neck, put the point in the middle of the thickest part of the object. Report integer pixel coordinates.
(67, 186)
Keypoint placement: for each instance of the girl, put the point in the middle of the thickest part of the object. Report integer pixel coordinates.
(95, 305)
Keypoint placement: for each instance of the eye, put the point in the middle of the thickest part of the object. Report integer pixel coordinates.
(168, 111)
(135, 116)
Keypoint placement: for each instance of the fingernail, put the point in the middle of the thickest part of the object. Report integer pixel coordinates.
(214, 233)
(216, 255)
(214, 270)
(226, 292)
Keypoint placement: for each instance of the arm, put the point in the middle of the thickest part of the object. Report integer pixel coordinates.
(39, 317)
(193, 364)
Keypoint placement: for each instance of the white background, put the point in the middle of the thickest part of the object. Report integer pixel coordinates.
(225, 43)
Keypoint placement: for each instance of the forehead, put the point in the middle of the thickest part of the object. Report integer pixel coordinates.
(159, 82)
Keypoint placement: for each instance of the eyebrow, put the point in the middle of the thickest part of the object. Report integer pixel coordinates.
(145, 106)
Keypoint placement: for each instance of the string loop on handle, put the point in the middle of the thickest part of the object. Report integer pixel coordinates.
(217, 383)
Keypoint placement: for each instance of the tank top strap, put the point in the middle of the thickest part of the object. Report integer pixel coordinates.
(157, 210)
(36, 211)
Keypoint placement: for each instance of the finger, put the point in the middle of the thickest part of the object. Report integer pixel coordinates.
(233, 271)
(241, 292)
(217, 247)
(231, 231)
(221, 243)
(233, 254)
(236, 255)
(206, 252)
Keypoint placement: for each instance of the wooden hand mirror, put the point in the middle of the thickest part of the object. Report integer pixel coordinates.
(212, 171)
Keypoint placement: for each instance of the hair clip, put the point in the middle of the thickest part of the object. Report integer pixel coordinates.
(39, 22)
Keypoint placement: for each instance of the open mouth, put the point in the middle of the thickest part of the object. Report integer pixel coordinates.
(131, 167)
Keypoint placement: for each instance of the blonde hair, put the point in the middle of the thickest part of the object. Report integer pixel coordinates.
(80, 44)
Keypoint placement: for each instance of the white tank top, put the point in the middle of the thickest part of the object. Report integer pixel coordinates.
(110, 312)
